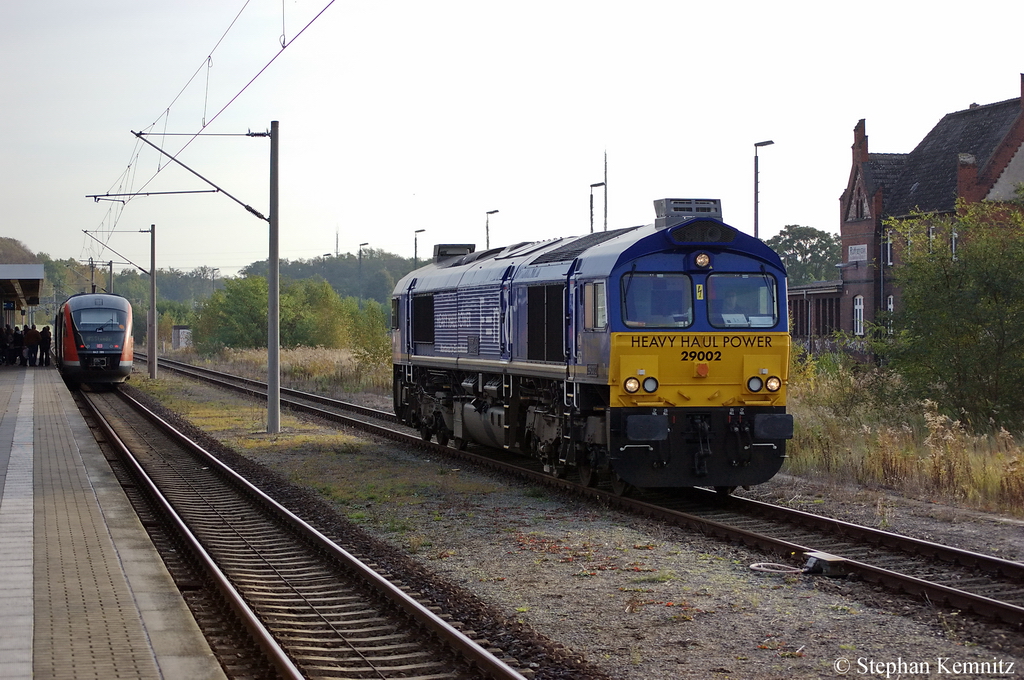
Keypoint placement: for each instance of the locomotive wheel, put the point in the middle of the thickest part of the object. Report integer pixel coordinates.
(459, 443)
(620, 487)
(425, 433)
(724, 491)
(442, 436)
(588, 477)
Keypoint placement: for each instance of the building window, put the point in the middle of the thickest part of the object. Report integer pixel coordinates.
(887, 248)
(858, 315)
(952, 244)
(889, 306)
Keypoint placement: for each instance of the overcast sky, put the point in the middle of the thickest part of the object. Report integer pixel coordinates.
(402, 115)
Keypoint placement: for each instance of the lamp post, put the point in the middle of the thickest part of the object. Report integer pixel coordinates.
(361, 273)
(592, 187)
(415, 257)
(487, 227)
(756, 145)
(154, 319)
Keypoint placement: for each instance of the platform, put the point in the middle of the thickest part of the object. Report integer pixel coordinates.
(83, 592)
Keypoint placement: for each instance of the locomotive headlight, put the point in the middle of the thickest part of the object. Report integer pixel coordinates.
(755, 384)
(631, 385)
(650, 384)
(702, 260)
(773, 384)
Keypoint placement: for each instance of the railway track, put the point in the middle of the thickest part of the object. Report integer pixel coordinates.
(988, 586)
(314, 609)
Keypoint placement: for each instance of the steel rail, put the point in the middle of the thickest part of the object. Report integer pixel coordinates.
(935, 592)
(260, 634)
(476, 655)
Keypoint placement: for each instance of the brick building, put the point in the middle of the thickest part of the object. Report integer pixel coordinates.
(975, 154)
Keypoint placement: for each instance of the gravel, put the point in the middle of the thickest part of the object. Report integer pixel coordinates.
(632, 598)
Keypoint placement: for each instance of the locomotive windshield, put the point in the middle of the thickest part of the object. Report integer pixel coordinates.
(100, 328)
(742, 300)
(660, 300)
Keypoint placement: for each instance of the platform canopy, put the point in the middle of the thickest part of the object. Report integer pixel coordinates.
(20, 283)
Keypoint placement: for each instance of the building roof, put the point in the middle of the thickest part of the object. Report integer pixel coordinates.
(928, 180)
(882, 170)
(20, 283)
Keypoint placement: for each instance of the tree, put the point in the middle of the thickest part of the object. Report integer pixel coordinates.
(958, 334)
(810, 254)
(234, 317)
(371, 341)
(13, 251)
(312, 315)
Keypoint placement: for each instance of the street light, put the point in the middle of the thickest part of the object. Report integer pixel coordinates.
(415, 254)
(487, 226)
(592, 187)
(361, 273)
(757, 144)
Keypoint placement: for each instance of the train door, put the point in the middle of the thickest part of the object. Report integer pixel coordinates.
(505, 323)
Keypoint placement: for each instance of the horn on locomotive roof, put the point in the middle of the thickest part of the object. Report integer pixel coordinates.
(673, 211)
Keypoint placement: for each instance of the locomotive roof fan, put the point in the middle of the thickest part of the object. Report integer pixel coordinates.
(673, 211)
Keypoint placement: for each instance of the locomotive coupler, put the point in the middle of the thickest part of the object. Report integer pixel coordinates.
(741, 439)
(703, 452)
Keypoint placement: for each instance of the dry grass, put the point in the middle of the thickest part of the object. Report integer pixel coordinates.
(331, 372)
(851, 427)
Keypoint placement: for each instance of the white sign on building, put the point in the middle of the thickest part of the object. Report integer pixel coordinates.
(857, 253)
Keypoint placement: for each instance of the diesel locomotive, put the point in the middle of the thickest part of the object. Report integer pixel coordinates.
(651, 356)
(93, 339)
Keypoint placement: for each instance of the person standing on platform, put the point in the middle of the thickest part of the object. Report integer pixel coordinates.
(15, 353)
(32, 345)
(5, 334)
(44, 346)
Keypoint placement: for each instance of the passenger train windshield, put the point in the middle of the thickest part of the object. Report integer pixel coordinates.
(659, 300)
(100, 328)
(742, 300)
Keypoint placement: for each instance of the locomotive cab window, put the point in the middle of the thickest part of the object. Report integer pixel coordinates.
(100, 328)
(742, 300)
(595, 305)
(656, 299)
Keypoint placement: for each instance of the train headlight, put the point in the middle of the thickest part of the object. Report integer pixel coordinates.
(755, 384)
(631, 385)
(650, 384)
(773, 384)
(702, 260)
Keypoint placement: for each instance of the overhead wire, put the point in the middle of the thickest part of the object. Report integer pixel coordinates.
(126, 180)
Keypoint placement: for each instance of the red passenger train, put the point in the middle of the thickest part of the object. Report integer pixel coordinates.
(93, 342)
